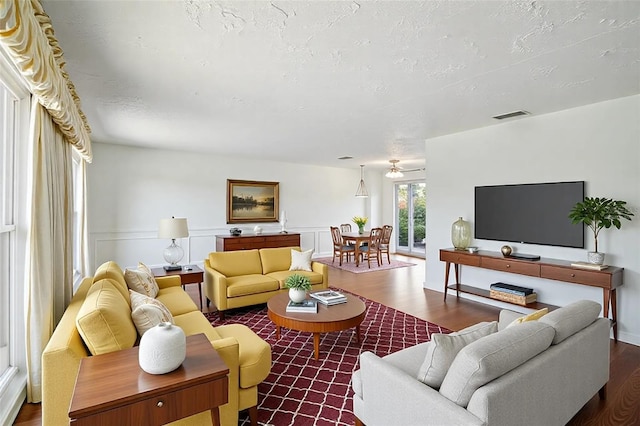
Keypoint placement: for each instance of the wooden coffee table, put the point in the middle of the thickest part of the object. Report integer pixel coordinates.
(329, 318)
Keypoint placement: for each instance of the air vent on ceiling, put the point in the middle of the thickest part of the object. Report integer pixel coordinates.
(346, 157)
(510, 115)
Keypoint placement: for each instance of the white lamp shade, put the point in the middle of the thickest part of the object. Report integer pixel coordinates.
(173, 228)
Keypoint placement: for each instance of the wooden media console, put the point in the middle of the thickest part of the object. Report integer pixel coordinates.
(553, 269)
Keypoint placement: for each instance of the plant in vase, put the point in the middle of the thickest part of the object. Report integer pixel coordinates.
(298, 286)
(598, 213)
(361, 222)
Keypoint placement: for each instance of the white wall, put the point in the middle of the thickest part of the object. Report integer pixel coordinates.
(598, 143)
(130, 189)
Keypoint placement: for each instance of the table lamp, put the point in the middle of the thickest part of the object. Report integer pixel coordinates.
(173, 228)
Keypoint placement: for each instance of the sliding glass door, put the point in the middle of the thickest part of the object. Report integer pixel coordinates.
(410, 216)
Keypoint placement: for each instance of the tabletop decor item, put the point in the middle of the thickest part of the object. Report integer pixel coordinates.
(162, 349)
(257, 229)
(298, 286)
(598, 213)
(361, 222)
(461, 234)
(506, 250)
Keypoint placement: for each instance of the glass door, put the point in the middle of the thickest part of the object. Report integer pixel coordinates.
(410, 215)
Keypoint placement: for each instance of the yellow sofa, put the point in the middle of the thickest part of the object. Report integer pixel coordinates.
(98, 320)
(233, 279)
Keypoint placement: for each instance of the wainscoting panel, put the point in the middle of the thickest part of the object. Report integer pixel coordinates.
(129, 248)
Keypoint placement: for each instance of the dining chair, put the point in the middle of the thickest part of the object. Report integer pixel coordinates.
(339, 247)
(373, 247)
(387, 230)
(346, 227)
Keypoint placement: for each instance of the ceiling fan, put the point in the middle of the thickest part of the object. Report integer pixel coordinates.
(397, 172)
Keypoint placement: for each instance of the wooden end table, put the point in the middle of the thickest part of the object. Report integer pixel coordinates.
(329, 318)
(194, 275)
(112, 389)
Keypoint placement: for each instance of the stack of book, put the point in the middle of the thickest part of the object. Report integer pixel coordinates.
(306, 305)
(512, 293)
(586, 265)
(329, 297)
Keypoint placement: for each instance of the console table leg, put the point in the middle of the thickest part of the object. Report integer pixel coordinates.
(446, 278)
(614, 314)
(609, 296)
(457, 271)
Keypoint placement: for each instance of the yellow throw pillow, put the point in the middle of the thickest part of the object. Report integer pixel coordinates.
(534, 316)
(104, 319)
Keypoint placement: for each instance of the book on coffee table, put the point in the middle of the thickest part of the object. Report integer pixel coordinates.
(329, 297)
(306, 305)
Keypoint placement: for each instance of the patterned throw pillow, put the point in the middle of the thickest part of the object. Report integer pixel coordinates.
(141, 280)
(147, 312)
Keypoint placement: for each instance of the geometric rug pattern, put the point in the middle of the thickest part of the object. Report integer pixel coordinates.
(363, 267)
(302, 391)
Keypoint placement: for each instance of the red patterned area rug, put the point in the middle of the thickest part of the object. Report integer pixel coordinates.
(364, 266)
(302, 391)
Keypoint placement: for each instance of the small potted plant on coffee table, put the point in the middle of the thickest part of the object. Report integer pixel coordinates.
(598, 213)
(298, 286)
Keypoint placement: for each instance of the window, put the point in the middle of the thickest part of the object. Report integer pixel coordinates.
(410, 218)
(7, 223)
(14, 126)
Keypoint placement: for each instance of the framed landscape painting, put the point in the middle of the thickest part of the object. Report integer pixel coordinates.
(252, 201)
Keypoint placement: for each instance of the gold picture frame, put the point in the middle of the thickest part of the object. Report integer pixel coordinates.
(250, 201)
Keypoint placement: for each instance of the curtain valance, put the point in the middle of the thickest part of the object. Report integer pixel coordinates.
(27, 35)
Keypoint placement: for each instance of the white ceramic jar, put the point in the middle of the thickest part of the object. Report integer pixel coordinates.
(162, 349)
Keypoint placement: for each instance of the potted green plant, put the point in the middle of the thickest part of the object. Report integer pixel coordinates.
(298, 286)
(598, 213)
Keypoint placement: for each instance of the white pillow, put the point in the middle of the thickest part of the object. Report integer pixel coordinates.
(147, 312)
(301, 260)
(444, 349)
(141, 280)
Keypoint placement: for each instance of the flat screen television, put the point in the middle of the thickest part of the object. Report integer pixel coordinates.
(535, 213)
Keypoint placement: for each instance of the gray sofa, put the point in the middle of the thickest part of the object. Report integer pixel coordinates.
(535, 373)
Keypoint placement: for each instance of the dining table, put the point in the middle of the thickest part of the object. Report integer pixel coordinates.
(356, 239)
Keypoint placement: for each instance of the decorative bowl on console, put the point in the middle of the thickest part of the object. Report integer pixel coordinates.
(235, 231)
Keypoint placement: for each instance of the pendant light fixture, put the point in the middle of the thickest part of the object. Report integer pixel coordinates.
(362, 192)
(394, 171)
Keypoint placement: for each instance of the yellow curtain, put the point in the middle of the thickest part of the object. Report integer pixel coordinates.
(27, 36)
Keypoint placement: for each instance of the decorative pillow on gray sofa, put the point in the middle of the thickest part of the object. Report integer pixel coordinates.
(572, 318)
(445, 347)
(492, 356)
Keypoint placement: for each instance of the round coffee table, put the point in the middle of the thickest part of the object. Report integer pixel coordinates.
(329, 318)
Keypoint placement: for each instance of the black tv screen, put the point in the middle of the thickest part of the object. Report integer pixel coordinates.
(530, 213)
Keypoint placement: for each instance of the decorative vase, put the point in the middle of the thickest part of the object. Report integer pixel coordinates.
(257, 230)
(162, 349)
(297, 295)
(360, 229)
(595, 257)
(461, 234)
(506, 250)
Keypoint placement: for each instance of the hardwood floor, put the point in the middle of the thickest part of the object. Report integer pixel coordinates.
(402, 289)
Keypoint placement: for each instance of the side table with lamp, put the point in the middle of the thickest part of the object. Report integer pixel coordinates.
(189, 274)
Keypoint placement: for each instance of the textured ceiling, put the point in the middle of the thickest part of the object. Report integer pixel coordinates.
(313, 81)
